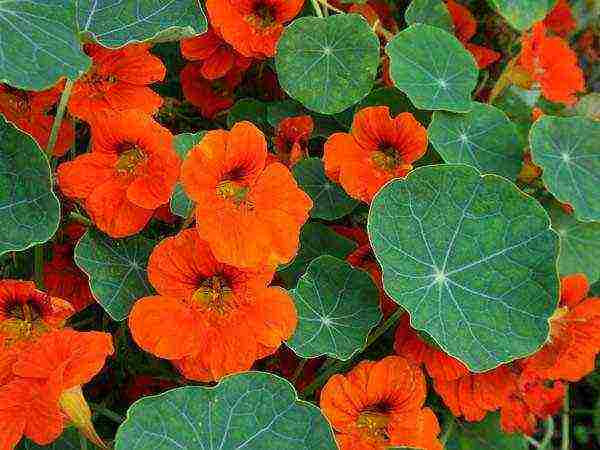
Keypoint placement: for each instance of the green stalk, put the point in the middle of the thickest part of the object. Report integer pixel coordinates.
(38, 268)
(448, 431)
(317, 8)
(60, 114)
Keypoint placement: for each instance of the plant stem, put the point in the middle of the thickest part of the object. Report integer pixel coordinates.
(317, 8)
(60, 113)
(448, 432)
(103, 411)
(565, 429)
(549, 433)
(82, 442)
(298, 371)
(38, 268)
(331, 7)
(81, 219)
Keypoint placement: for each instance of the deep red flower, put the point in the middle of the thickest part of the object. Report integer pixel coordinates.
(291, 139)
(560, 20)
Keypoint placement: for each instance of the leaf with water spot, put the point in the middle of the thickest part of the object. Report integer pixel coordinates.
(523, 14)
(471, 258)
(250, 411)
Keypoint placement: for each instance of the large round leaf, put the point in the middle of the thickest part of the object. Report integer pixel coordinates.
(568, 150)
(328, 64)
(471, 258)
(433, 68)
(337, 308)
(486, 434)
(116, 268)
(181, 205)
(522, 14)
(330, 201)
(29, 210)
(250, 411)
(430, 12)
(69, 440)
(484, 138)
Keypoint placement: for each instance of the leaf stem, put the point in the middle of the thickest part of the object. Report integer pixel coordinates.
(60, 113)
(565, 427)
(75, 216)
(104, 411)
(331, 7)
(549, 433)
(82, 442)
(38, 268)
(298, 371)
(448, 431)
(317, 8)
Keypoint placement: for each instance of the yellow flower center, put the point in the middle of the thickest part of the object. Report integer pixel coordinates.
(374, 425)
(24, 321)
(262, 16)
(130, 159)
(234, 191)
(385, 159)
(213, 294)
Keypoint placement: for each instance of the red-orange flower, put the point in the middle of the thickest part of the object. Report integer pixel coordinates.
(250, 213)
(291, 139)
(380, 404)
(216, 55)
(129, 173)
(31, 112)
(252, 27)
(377, 149)
(560, 20)
(118, 80)
(210, 318)
(550, 61)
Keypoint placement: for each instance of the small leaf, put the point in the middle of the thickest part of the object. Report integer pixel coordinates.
(567, 149)
(251, 410)
(69, 440)
(328, 64)
(116, 268)
(181, 205)
(471, 258)
(522, 14)
(29, 210)
(248, 109)
(116, 23)
(39, 43)
(484, 138)
(316, 239)
(433, 68)
(429, 12)
(337, 306)
(579, 245)
(484, 435)
(330, 201)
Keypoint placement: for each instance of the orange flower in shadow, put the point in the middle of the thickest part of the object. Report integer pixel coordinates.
(250, 213)
(291, 139)
(560, 20)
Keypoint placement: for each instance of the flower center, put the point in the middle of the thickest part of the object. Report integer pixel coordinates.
(131, 156)
(213, 294)
(17, 100)
(99, 81)
(386, 158)
(234, 191)
(263, 15)
(374, 425)
(23, 320)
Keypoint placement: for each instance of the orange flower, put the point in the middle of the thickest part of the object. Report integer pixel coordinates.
(550, 62)
(30, 112)
(216, 55)
(291, 139)
(129, 173)
(377, 149)
(211, 97)
(118, 80)
(560, 20)
(210, 318)
(250, 213)
(252, 27)
(380, 404)
(574, 335)
(439, 365)
(465, 27)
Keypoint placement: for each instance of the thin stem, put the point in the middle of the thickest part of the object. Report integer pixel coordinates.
(298, 371)
(331, 7)
(448, 432)
(38, 268)
(565, 422)
(60, 113)
(378, 28)
(75, 216)
(82, 442)
(317, 8)
(104, 411)
(532, 441)
(549, 433)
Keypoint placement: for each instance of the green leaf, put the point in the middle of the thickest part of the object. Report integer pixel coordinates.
(522, 14)
(471, 258)
(251, 110)
(116, 268)
(328, 64)
(29, 210)
(330, 201)
(429, 12)
(337, 306)
(567, 149)
(484, 138)
(589, 105)
(433, 68)
(116, 23)
(316, 239)
(181, 205)
(484, 435)
(39, 43)
(579, 245)
(251, 411)
(69, 440)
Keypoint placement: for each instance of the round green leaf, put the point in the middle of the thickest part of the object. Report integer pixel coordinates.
(486, 434)
(484, 138)
(471, 258)
(250, 411)
(337, 306)
(433, 68)
(328, 64)
(248, 109)
(116, 268)
(116, 23)
(39, 43)
(181, 205)
(29, 210)
(568, 150)
(69, 440)
(330, 201)
(579, 245)
(522, 14)
(429, 12)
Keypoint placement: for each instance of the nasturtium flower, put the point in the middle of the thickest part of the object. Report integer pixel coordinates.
(31, 112)
(380, 404)
(252, 27)
(118, 80)
(250, 213)
(130, 172)
(550, 62)
(209, 318)
(291, 139)
(216, 56)
(377, 149)
(560, 20)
